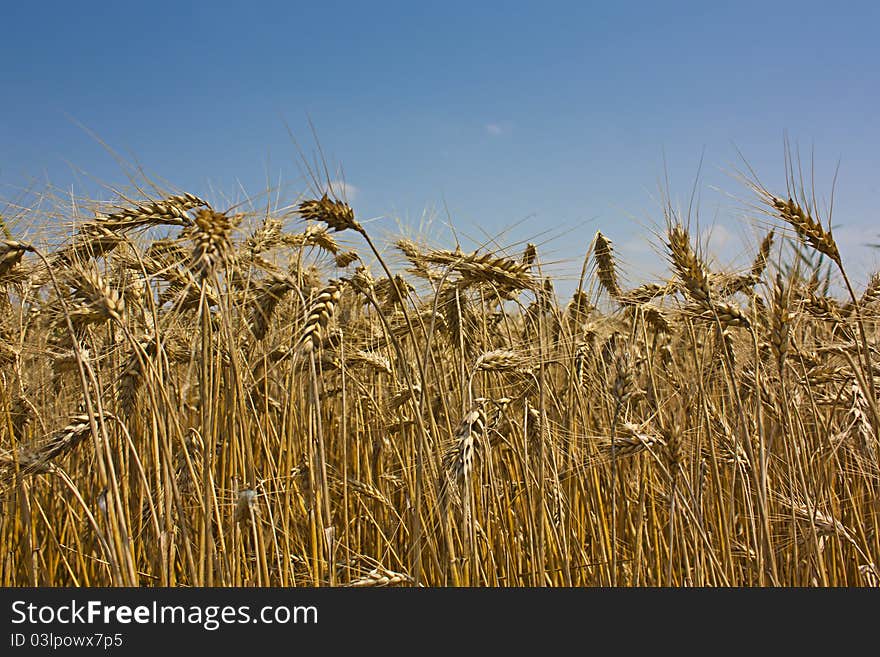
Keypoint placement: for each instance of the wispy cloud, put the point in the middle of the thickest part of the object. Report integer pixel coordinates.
(341, 189)
(716, 239)
(499, 128)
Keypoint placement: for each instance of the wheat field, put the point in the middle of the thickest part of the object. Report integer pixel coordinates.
(197, 396)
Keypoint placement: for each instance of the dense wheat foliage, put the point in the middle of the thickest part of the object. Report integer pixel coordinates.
(193, 396)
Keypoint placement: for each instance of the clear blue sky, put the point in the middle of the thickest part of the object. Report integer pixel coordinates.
(558, 114)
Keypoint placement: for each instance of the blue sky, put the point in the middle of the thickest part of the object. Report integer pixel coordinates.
(544, 120)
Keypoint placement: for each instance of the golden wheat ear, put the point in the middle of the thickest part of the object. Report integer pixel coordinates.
(690, 269)
(459, 459)
(498, 360)
(606, 268)
(172, 211)
(808, 228)
(382, 577)
(760, 263)
(321, 312)
(336, 214)
(95, 299)
(11, 253)
(345, 259)
(39, 457)
(262, 306)
(630, 439)
(872, 291)
(212, 242)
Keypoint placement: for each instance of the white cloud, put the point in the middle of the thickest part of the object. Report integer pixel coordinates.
(640, 246)
(640, 259)
(716, 238)
(341, 189)
(499, 128)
